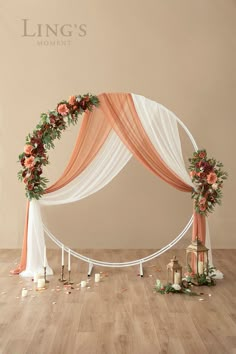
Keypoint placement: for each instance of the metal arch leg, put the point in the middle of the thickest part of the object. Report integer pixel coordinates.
(141, 270)
(90, 269)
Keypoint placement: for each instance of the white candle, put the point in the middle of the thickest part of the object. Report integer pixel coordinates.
(200, 267)
(62, 256)
(24, 292)
(83, 284)
(177, 278)
(36, 276)
(69, 261)
(97, 277)
(44, 257)
(41, 283)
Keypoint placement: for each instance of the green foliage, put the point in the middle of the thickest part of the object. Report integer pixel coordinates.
(208, 178)
(49, 128)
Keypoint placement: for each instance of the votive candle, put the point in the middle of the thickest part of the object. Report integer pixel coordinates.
(41, 283)
(97, 277)
(83, 284)
(24, 292)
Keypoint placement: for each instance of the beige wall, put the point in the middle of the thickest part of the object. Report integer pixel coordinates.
(179, 53)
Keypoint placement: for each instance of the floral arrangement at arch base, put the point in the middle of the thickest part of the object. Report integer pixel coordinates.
(51, 125)
(208, 178)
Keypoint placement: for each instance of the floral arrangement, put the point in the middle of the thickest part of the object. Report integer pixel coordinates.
(174, 288)
(50, 127)
(208, 177)
(206, 278)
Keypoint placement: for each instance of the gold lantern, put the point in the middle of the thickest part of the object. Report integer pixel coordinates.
(174, 272)
(197, 252)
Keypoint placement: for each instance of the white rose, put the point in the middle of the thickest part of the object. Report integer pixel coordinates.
(214, 186)
(176, 286)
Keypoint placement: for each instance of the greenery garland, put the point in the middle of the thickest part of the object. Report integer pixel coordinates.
(49, 128)
(208, 178)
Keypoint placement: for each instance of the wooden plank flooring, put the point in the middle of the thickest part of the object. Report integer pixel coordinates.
(119, 315)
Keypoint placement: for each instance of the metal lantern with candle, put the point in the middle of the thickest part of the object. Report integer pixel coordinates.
(197, 257)
(174, 272)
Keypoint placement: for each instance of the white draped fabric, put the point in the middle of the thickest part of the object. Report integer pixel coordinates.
(161, 126)
(110, 160)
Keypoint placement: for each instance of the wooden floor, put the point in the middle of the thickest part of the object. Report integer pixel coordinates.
(119, 315)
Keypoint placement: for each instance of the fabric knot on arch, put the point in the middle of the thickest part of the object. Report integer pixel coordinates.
(124, 125)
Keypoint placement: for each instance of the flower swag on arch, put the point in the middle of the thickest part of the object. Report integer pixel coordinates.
(41, 140)
(208, 178)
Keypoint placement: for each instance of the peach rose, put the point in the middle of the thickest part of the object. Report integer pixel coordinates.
(192, 174)
(62, 109)
(211, 178)
(29, 162)
(72, 100)
(28, 149)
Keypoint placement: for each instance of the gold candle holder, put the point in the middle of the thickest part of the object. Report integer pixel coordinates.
(62, 275)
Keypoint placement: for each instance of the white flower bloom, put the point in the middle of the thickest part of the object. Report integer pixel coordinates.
(176, 286)
(158, 284)
(214, 186)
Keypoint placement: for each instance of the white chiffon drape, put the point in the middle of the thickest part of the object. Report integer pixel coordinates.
(161, 126)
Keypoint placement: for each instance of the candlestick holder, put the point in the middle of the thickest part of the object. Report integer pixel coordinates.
(69, 282)
(45, 275)
(62, 275)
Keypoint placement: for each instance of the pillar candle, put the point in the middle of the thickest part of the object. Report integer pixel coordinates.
(177, 278)
(36, 277)
(24, 292)
(97, 277)
(41, 283)
(62, 256)
(83, 284)
(69, 261)
(200, 267)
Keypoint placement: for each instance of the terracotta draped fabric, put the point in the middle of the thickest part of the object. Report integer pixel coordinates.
(121, 112)
(92, 135)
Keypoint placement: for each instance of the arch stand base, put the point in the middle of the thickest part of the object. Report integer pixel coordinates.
(90, 269)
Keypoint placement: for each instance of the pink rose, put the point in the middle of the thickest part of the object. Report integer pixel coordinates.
(202, 154)
(211, 178)
(28, 149)
(62, 109)
(202, 207)
(202, 201)
(72, 100)
(29, 162)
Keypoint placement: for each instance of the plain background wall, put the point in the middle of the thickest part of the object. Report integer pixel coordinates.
(179, 53)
